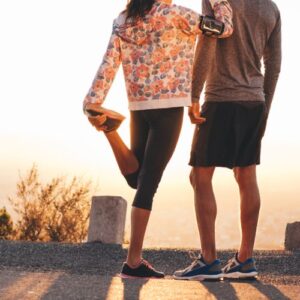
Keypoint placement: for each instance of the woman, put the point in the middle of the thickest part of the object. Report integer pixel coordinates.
(154, 40)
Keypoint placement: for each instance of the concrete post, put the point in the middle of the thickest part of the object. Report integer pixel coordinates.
(107, 219)
(292, 236)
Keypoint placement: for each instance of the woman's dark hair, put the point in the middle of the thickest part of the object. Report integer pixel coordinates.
(138, 8)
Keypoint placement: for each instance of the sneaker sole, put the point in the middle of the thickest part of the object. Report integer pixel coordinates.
(113, 119)
(123, 276)
(104, 111)
(237, 275)
(200, 277)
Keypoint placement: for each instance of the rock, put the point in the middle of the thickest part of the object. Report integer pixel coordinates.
(292, 236)
(107, 219)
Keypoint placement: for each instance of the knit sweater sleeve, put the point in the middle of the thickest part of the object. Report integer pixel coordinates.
(106, 72)
(205, 50)
(272, 63)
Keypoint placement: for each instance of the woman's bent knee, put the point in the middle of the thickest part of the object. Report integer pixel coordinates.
(132, 179)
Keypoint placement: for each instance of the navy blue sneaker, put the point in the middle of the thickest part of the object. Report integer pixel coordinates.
(236, 269)
(199, 270)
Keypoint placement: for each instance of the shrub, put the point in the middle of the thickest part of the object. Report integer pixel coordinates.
(6, 225)
(56, 211)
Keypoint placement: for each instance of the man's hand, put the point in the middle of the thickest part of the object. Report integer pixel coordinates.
(194, 114)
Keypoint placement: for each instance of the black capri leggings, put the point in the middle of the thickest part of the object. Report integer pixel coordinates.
(154, 135)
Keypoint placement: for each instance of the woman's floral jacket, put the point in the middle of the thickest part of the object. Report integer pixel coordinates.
(157, 55)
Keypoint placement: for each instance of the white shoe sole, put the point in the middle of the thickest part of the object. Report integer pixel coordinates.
(237, 275)
(199, 277)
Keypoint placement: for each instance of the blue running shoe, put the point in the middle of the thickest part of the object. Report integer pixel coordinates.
(199, 270)
(236, 269)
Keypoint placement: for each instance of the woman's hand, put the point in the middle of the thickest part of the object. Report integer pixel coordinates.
(98, 122)
(90, 106)
(195, 114)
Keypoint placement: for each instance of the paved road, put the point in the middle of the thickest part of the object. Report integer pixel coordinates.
(90, 271)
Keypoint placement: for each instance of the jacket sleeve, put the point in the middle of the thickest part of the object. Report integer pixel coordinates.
(106, 72)
(222, 11)
(187, 20)
(272, 63)
(190, 20)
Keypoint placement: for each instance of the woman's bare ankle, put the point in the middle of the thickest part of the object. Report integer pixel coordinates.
(134, 263)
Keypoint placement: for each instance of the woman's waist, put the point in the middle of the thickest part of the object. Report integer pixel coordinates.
(139, 103)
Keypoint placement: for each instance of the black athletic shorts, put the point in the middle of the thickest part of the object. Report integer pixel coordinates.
(231, 136)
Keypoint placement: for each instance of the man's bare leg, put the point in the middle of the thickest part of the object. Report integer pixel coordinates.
(206, 210)
(250, 206)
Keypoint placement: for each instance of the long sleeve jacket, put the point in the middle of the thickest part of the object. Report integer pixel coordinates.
(157, 54)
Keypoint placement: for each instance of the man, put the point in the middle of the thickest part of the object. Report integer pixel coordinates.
(238, 99)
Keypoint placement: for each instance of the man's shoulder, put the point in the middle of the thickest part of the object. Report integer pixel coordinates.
(272, 5)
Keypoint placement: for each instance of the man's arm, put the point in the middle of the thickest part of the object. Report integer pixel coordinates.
(205, 50)
(272, 63)
(222, 11)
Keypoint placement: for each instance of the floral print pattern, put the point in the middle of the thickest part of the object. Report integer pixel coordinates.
(223, 12)
(156, 54)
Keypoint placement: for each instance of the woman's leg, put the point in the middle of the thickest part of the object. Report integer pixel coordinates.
(139, 222)
(139, 132)
(165, 126)
(129, 160)
(125, 158)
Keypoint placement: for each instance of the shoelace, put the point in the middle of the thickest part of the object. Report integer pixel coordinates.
(147, 264)
(193, 255)
(230, 264)
(195, 258)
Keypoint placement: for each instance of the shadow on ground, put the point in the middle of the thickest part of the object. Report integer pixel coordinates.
(68, 271)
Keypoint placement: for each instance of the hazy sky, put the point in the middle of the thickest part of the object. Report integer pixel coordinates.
(50, 52)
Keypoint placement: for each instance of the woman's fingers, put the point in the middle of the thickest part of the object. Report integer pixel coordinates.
(97, 121)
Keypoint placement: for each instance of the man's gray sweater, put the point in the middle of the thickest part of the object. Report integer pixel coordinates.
(231, 67)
